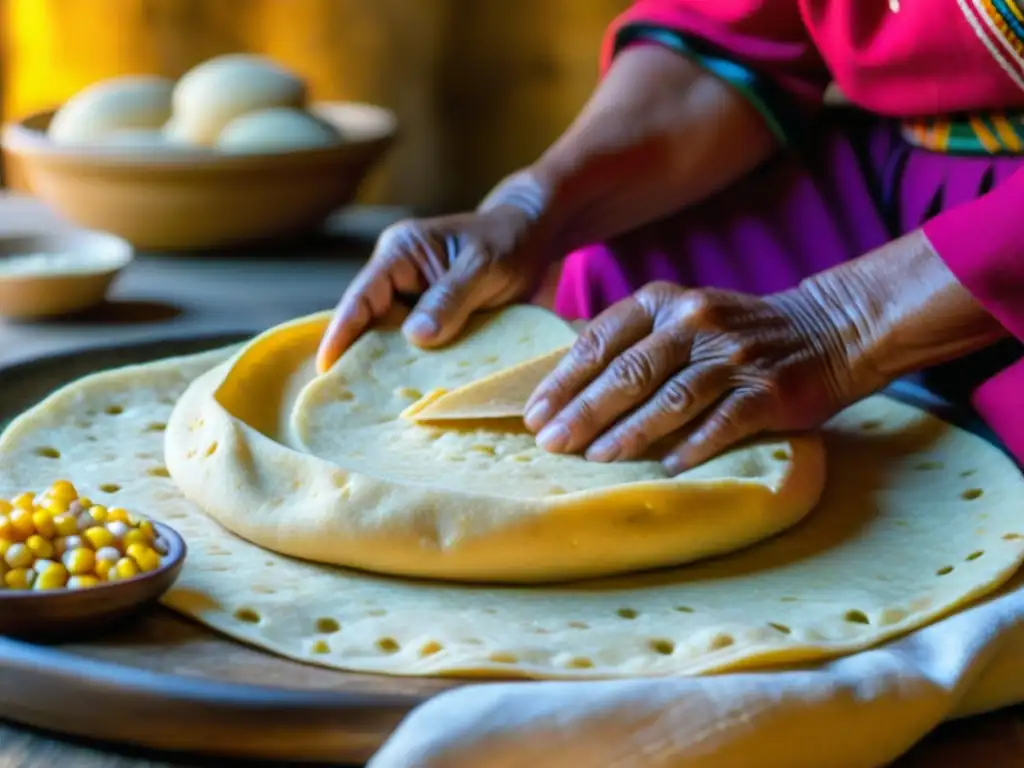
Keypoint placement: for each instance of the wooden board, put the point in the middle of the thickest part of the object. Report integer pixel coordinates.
(164, 682)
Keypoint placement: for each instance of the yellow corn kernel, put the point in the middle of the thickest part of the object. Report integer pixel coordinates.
(117, 515)
(43, 522)
(5, 544)
(18, 556)
(148, 530)
(55, 506)
(19, 578)
(5, 506)
(103, 568)
(99, 514)
(99, 537)
(39, 547)
(85, 502)
(6, 528)
(148, 560)
(80, 561)
(53, 576)
(64, 490)
(134, 536)
(83, 582)
(125, 568)
(24, 500)
(21, 522)
(65, 525)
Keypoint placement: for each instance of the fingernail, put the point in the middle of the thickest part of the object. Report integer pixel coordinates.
(605, 449)
(673, 465)
(538, 415)
(553, 438)
(420, 325)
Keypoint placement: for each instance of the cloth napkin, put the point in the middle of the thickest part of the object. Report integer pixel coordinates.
(860, 711)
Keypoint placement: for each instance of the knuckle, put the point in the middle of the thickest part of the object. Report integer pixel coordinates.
(584, 413)
(675, 397)
(589, 349)
(633, 372)
(398, 236)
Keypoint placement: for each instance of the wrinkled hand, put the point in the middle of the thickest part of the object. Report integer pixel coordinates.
(456, 265)
(689, 373)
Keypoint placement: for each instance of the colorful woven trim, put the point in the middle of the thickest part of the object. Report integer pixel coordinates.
(999, 24)
(979, 134)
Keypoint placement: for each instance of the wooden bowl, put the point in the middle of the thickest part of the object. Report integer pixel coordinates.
(65, 614)
(87, 263)
(192, 198)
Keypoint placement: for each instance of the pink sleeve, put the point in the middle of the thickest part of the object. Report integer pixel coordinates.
(766, 37)
(982, 243)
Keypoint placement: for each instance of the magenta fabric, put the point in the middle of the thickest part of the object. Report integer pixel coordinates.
(857, 188)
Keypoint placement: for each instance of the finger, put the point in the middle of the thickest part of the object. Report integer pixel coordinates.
(391, 269)
(442, 312)
(605, 338)
(677, 403)
(741, 415)
(627, 383)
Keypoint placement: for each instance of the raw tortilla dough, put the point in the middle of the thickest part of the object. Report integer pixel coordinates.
(327, 470)
(130, 102)
(918, 518)
(501, 395)
(212, 94)
(277, 130)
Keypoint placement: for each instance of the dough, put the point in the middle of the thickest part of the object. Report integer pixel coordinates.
(918, 519)
(277, 130)
(91, 115)
(153, 140)
(329, 470)
(214, 93)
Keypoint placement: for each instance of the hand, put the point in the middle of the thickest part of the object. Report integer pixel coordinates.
(455, 264)
(696, 370)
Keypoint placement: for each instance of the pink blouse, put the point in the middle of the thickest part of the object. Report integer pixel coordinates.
(895, 58)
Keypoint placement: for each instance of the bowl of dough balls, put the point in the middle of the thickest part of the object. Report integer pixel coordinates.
(233, 152)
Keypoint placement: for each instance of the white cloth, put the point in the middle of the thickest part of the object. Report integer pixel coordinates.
(861, 711)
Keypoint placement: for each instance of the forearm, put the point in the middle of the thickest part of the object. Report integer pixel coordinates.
(899, 309)
(659, 133)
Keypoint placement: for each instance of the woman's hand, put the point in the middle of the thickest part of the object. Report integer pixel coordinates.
(456, 265)
(689, 373)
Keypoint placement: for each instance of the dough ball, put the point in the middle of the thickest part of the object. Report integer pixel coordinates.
(145, 139)
(134, 101)
(277, 130)
(211, 95)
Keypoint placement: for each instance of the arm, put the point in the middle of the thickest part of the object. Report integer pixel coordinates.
(694, 96)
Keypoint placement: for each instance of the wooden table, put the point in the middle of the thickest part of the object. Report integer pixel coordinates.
(170, 296)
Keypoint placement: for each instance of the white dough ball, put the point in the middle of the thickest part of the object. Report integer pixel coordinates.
(214, 93)
(133, 101)
(145, 139)
(277, 130)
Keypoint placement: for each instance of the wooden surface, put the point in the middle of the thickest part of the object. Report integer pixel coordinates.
(481, 86)
(171, 296)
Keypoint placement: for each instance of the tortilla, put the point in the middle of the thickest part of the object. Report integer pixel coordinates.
(326, 469)
(918, 518)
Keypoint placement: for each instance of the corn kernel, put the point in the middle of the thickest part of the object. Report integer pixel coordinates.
(63, 489)
(108, 553)
(148, 561)
(21, 522)
(147, 529)
(103, 568)
(99, 537)
(39, 547)
(134, 536)
(5, 544)
(19, 556)
(125, 568)
(85, 502)
(83, 582)
(75, 542)
(118, 529)
(54, 576)
(80, 561)
(66, 525)
(55, 506)
(6, 528)
(24, 500)
(98, 514)
(42, 520)
(117, 515)
(19, 578)
(5, 506)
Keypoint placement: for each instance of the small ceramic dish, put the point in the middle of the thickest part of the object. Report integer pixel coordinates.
(64, 614)
(44, 275)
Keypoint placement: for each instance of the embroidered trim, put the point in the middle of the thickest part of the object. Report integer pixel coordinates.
(996, 22)
(993, 133)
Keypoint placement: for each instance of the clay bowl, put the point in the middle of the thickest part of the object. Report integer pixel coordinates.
(71, 614)
(83, 266)
(193, 198)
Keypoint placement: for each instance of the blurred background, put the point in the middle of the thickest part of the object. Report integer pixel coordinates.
(480, 87)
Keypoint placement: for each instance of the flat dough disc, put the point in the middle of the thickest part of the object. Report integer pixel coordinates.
(326, 469)
(918, 518)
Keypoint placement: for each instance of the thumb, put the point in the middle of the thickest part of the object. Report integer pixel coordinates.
(443, 310)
